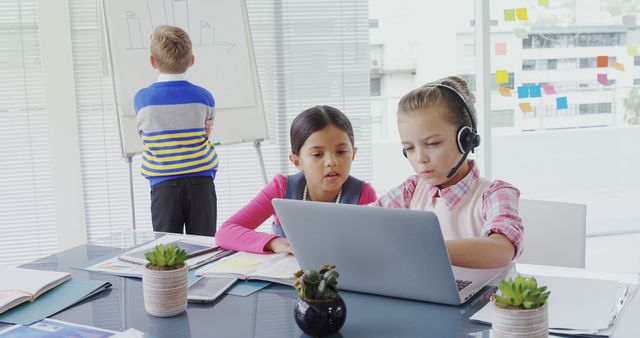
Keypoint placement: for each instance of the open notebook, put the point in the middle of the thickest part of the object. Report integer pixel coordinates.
(277, 268)
(19, 285)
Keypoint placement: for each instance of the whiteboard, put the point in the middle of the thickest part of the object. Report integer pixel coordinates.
(224, 62)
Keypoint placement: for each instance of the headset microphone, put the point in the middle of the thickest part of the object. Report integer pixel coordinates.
(454, 169)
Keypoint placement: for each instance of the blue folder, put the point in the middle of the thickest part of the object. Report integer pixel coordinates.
(54, 301)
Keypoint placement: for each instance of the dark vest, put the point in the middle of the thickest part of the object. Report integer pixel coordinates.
(351, 191)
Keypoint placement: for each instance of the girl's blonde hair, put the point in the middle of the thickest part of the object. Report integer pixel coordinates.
(430, 96)
(171, 48)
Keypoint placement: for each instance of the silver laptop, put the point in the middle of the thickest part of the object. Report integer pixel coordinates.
(390, 252)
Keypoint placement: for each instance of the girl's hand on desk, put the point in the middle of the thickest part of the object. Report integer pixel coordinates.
(279, 244)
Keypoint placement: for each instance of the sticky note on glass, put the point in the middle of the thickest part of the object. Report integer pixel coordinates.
(510, 14)
(502, 76)
(505, 91)
(501, 48)
(525, 107)
(618, 66)
(549, 89)
(521, 13)
(603, 79)
(561, 103)
(615, 11)
(544, 3)
(523, 92)
(602, 61)
(632, 50)
(521, 33)
(535, 91)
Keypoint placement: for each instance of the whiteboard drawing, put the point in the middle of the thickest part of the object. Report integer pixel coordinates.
(135, 31)
(207, 34)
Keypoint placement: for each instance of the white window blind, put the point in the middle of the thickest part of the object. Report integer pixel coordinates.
(26, 198)
(302, 61)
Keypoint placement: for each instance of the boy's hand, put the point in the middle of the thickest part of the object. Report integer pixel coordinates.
(279, 244)
(208, 125)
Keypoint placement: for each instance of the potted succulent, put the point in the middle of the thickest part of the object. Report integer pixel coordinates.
(165, 281)
(319, 311)
(521, 309)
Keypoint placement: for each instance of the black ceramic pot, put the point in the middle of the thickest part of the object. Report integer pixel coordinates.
(320, 318)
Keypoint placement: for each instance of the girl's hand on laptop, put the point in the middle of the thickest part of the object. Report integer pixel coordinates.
(279, 244)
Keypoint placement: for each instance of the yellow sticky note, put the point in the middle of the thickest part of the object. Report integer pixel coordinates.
(632, 50)
(502, 76)
(505, 91)
(544, 3)
(237, 264)
(525, 107)
(509, 14)
(521, 13)
(618, 66)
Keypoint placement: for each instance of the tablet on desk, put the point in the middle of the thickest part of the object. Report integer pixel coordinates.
(192, 248)
(207, 289)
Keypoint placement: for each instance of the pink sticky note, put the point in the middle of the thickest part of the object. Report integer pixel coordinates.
(501, 48)
(549, 89)
(603, 79)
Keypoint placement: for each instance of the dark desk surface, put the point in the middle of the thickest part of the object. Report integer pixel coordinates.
(268, 313)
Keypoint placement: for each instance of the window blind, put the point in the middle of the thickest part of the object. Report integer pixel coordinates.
(26, 190)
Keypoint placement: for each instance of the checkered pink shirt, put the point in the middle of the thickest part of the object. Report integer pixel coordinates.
(499, 203)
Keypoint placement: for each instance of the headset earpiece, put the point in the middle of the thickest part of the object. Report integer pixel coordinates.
(467, 139)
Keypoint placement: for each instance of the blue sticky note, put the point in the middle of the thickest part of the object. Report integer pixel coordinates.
(535, 91)
(561, 103)
(245, 288)
(523, 92)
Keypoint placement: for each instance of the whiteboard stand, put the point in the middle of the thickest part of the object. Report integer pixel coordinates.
(133, 205)
(257, 144)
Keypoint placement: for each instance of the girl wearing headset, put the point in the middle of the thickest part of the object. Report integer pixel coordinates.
(479, 219)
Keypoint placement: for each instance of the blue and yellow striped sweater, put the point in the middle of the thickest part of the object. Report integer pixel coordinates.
(171, 116)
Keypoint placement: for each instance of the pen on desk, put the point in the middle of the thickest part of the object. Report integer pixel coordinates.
(223, 253)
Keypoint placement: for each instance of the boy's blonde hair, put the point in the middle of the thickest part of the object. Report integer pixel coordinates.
(171, 48)
(429, 96)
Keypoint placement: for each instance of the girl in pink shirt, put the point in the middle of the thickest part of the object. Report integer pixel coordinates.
(322, 148)
(479, 218)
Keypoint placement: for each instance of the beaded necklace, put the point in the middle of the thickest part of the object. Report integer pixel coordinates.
(305, 194)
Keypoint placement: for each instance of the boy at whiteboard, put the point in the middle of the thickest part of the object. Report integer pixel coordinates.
(174, 118)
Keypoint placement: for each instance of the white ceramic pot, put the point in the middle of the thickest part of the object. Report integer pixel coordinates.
(509, 322)
(165, 291)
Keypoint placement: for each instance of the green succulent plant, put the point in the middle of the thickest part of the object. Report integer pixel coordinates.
(522, 292)
(166, 257)
(317, 285)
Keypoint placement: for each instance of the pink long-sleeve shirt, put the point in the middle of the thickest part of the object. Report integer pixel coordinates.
(238, 232)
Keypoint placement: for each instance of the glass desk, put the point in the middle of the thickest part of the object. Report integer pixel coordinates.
(267, 313)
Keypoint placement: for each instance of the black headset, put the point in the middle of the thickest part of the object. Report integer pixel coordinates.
(467, 137)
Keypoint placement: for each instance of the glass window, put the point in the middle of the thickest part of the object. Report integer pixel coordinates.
(375, 86)
(528, 65)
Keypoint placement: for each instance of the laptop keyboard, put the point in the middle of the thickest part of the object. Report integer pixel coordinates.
(462, 284)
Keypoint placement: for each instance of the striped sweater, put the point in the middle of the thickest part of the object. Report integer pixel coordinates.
(171, 118)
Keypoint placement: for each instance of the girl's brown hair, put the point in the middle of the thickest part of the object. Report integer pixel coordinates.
(430, 96)
(315, 119)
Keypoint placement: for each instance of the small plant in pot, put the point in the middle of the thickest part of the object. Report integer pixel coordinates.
(521, 309)
(319, 311)
(165, 281)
